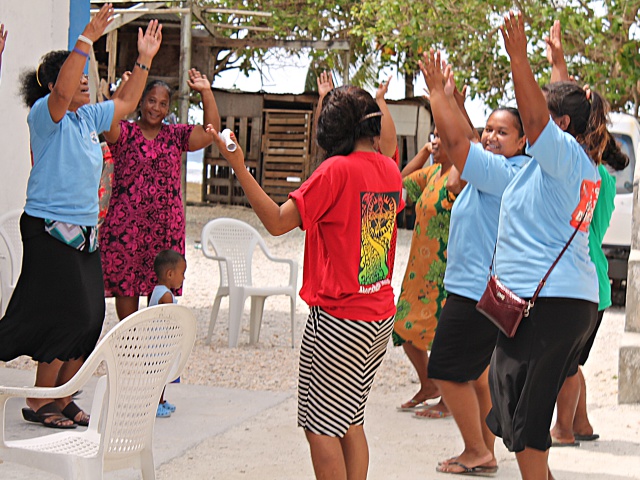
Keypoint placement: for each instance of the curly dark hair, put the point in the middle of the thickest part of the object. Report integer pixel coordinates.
(588, 116)
(341, 122)
(35, 83)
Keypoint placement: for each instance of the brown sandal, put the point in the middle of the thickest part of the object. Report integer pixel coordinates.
(48, 415)
(71, 411)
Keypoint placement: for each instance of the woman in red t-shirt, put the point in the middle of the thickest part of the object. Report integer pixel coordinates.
(348, 208)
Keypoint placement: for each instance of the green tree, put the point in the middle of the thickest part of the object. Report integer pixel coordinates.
(598, 37)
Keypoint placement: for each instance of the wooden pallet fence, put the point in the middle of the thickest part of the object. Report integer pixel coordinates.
(285, 151)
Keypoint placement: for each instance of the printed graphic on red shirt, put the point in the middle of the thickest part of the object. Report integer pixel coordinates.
(378, 218)
(589, 192)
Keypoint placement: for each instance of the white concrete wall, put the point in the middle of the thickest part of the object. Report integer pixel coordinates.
(35, 27)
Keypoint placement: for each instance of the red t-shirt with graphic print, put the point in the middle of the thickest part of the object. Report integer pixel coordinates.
(348, 208)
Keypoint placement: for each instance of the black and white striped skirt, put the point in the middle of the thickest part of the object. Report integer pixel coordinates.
(338, 361)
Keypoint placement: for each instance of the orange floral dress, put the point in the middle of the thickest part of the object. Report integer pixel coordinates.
(423, 295)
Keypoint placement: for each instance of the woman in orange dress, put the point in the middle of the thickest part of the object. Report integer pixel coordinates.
(423, 294)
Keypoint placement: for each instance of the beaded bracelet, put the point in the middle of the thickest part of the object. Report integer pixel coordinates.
(141, 66)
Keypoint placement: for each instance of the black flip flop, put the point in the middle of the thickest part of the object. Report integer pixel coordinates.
(71, 411)
(48, 411)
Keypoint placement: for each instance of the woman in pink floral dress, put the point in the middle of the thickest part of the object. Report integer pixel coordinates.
(146, 213)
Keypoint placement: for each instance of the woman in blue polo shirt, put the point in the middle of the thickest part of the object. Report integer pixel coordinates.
(56, 312)
(551, 197)
(465, 339)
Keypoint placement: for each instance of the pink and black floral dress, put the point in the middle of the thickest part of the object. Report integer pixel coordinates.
(145, 214)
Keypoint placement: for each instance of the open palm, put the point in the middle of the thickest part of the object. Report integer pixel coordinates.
(149, 42)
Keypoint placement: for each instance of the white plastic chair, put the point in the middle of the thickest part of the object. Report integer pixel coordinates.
(10, 255)
(142, 353)
(232, 243)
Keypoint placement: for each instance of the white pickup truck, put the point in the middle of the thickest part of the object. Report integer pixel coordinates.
(617, 240)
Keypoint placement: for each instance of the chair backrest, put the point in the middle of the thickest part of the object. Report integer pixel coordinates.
(142, 353)
(10, 233)
(10, 255)
(236, 241)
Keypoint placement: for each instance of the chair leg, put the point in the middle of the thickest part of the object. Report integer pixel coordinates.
(236, 306)
(293, 313)
(257, 308)
(146, 464)
(214, 316)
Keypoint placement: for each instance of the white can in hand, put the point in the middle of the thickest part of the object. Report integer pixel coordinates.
(225, 135)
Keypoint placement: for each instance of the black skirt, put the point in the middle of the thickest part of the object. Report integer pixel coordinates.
(57, 309)
(528, 370)
(464, 342)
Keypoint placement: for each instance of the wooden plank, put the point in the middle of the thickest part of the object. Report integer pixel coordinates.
(231, 43)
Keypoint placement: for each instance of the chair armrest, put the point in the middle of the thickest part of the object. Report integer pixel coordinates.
(293, 265)
(82, 376)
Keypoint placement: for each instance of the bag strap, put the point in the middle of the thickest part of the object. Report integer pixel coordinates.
(553, 265)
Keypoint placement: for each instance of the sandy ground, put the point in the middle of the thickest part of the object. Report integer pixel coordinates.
(270, 446)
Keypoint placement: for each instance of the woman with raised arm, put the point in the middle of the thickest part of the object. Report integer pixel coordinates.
(146, 213)
(422, 295)
(572, 421)
(56, 312)
(348, 208)
(465, 339)
(551, 199)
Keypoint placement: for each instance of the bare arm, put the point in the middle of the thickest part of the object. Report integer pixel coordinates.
(455, 184)
(201, 84)
(3, 41)
(276, 219)
(445, 113)
(166, 298)
(129, 95)
(555, 54)
(70, 74)
(418, 161)
(531, 102)
(388, 138)
(325, 85)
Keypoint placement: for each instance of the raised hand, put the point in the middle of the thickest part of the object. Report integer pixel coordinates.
(515, 40)
(198, 81)
(95, 28)
(149, 41)
(431, 68)
(235, 158)
(3, 37)
(325, 84)
(555, 52)
(383, 88)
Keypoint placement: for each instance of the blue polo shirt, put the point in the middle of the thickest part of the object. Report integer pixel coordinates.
(67, 162)
(540, 210)
(474, 220)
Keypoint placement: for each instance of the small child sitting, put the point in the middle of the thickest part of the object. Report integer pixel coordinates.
(169, 266)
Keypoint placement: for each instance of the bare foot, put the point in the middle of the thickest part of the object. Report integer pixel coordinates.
(469, 461)
(419, 399)
(563, 436)
(437, 411)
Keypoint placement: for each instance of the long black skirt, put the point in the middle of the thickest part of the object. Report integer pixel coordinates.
(57, 309)
(528, 370)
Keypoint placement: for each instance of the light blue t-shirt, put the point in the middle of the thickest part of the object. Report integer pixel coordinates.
(540, 210)
(158, 293)
(67, 162)
(474, 220)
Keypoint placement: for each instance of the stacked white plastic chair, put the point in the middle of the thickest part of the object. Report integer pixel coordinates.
(232, 243)
(10, 255)
(142, 354)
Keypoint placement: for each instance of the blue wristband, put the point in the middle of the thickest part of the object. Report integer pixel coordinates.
(80, 52)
